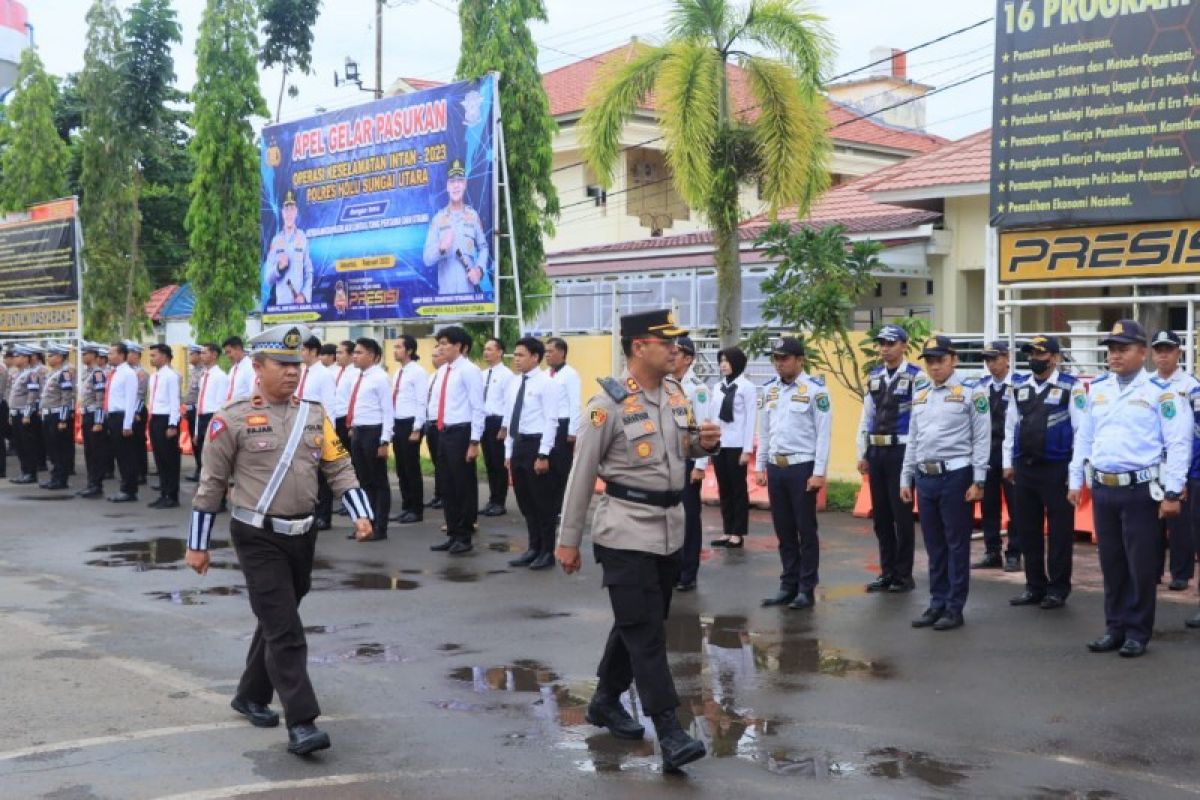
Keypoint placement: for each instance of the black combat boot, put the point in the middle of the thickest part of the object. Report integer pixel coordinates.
(606, 711)
(677, 747)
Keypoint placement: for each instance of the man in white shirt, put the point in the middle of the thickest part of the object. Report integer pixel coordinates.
(410, 400)
(142, 418)
(458, 399)
(316, 384)
(120, 407)
(431, 431)
(529, 426)
(344, 375)
(497, 379)
(568, 417)
(211, 396)
(369, 419)
(241, 372)
(163, 407)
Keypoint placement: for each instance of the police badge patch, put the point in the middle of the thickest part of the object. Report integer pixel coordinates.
(981, 404)
(1168, 409)
(823, 402)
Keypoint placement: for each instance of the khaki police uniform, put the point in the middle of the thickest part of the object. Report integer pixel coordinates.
(5, 427)
(58, 424)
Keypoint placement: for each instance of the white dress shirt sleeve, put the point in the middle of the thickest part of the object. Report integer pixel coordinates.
(553, 396)
(383, 394)
(865, 422)
(750, 413)
(130, 393)
(419, 386)
(172, 398)
(574, 388)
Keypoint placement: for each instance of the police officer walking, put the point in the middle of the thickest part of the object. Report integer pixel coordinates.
(793, 453)
(639, 433)
(58, 416)
(882, 439)
(1043, 415)
(269, 447)
(997, 490)
(947, 460)
(1134, 442)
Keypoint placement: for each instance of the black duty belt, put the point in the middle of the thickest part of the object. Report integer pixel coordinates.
(643, 496)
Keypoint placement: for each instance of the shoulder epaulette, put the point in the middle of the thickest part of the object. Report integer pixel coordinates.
(912, 369)
(613, 388)
(875, 373)
(1160, 383)
(1067, 381)
(1016, 379)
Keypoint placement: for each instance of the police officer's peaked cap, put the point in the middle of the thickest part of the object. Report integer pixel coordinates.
(1042, 344)
(1126, 331)
(891, 333)
(996, 348)
(195, 348)
(456, 170)
(99, 348)
(651, 324)
(788, 346)
(132, 346)
(282, 343)
(23, 350)
(686, 344)
(58, 349)
(289, 199)
(1165, 337)
(938, 346)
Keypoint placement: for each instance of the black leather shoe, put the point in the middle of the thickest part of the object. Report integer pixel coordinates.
(493, 511)
(408, 518)
(156, 502)
(1053, 601)
(685, 586)
(677, 747)
(989, 561)
(459, 548)
(605, 712)
(122, 497)
(45, 484)
(901, 586)
(722, 542)
(525, 559)
(55, 486)
(1106, 643)
(1178, 585)
(91, 491)
(442, 547)
(803, 601)
(736, 545)
(1194, 622)
(1027, 598)
(784, 597)
(544, 561)
(949, 621)
(928, 617)
(880, 584)
(1012, 564)
(260, 716)
(437, 503)
(23, 479)
(1132, 649)
(305, 738)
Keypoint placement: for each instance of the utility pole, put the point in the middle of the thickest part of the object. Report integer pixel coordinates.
(378, 49)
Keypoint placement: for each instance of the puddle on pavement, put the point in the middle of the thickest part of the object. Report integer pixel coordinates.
(363, 653)
(320, 629)
(520, 676)
(195, 597)
(1046, 793)
(149, 554)
(378, 581)
(841, 591)
(895, 764)
(458, 575)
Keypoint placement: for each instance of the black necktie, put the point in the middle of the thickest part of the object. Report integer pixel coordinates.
(487, 384)
(515, 427)
(730, 390)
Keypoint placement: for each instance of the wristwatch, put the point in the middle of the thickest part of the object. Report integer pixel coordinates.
(1172, 496)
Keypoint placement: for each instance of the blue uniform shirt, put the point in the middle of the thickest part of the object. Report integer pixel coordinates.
(796, 420)
(949, 422)
(1126, 429)
(896, 391)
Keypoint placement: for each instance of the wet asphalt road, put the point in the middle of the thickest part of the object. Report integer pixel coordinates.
(447, 677)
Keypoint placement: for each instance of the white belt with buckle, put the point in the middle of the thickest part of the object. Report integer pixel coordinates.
(942, 467)
(1125, 478)
(286, 527)
(885, 439)
(790, 460)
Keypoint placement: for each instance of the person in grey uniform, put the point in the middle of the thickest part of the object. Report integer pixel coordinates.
(639, 433)
(949, 446)
(58, 416)
(456, 243)
(289, 266)
(6, 377)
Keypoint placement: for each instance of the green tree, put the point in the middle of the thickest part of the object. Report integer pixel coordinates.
(287, 39)
(712, 147)
(35, 157)
(105, 178)
(819, 281)
(496, 37)
(223, 218)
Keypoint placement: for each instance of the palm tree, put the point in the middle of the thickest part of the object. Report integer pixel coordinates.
(780, 140)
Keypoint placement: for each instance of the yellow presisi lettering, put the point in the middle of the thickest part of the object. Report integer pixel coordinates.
(331, 448)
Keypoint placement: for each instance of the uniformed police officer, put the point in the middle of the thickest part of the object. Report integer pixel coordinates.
(1135, 441)
(882, 438)
(92, 381)
(6, 377)
(1044, 411)
(289, 266)
(1194, 478)
(22, 401)
(947, 459)
(58, 416)
(794, 429)
(456, 243)
(191, 396)
(1166, 348)
(268, 447)
(997, 490)
(699, 396)
(638, 434)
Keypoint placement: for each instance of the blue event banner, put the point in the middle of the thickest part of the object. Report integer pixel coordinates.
(384, 211)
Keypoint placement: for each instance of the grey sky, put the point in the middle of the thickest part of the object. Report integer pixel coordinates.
(421, 40)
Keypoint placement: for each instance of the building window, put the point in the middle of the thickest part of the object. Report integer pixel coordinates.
(929, 288)
(904, 288)
(879, 290)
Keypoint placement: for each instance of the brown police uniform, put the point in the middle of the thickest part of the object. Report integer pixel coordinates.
(58, 424)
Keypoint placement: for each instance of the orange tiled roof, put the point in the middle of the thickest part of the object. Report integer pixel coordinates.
(965, 161)
(419, 84)
(158, 299)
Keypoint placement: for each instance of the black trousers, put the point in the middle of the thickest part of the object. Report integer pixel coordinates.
(1126, 522)
(493, 459)
(1039, 503)
(561, 458)
(372, 473)
(23, 439)
(459, 481)
(892, 518)
(343, 433)
(125, 449)
(199, 434)
(5, 433)
(97, 450)
(433, 440)
(278, 571)
(534, 494)
(995, 488)
(408, 467)
(37, 440)
(735, 496)
(60, 445)
(693, 530)
(794, 515)
(1177, 542)
(166, 455)
(639, 588)
(140, 424)
(190, 416)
